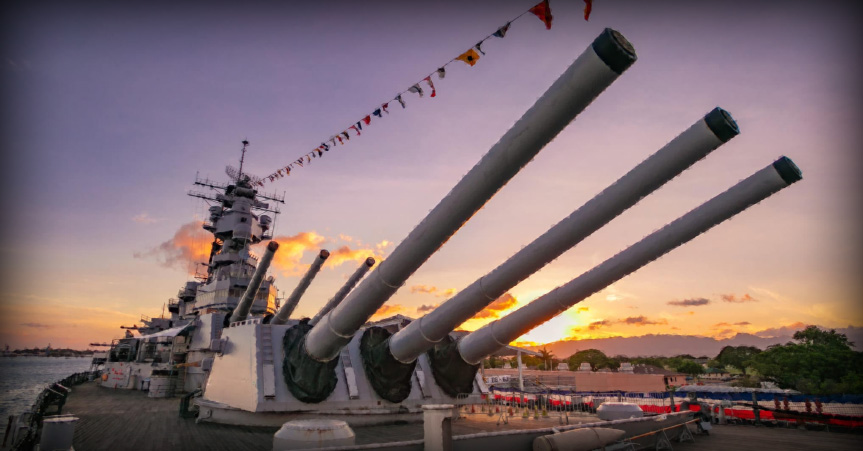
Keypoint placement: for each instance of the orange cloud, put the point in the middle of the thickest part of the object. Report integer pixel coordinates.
(725, 333)
(346, 254)
(437, 292)
(632, 320)
(389, 310)
(493, 310)
(583, 309)
(642, 321)
(738, 300)
(690, 302)
(599, 324)
(190, 245)
(293, 249)
(423, 289)
(426, 308)
(525, 344)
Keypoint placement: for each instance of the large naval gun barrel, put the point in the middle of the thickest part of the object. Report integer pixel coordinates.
(595, 69)
(245, 304)
(291, 303)
(757, 187)
(344, 290)
(705, 135)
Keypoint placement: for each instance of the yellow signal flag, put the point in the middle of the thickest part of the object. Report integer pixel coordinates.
(469, 57)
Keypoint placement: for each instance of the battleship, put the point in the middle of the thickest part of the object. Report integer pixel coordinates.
(235, 355)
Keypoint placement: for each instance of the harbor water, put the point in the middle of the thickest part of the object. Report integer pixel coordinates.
(23, 378)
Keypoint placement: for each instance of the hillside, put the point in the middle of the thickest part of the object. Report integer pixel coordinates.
(671, 345)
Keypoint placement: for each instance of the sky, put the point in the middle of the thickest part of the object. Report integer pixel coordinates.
(111, 109)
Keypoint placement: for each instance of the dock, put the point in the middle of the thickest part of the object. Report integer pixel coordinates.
(127, 419)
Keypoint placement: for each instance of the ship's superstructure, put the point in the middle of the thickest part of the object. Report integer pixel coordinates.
(181, 343)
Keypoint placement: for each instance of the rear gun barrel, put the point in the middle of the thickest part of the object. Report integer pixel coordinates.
(291, 303)
(594, 70)
(757, 187)
(346, 288)
(708, 133)
(245, 304)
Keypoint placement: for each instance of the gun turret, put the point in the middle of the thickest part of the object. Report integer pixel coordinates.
(595, 69)
(456, 363)
(291, 303)
(344, 290)
(245, 305)
(707, 134)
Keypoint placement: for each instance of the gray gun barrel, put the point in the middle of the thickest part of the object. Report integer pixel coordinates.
(291, 303)
(245, 305)
(346, 288)
(594, 70)
(708, 133)
(757, 187)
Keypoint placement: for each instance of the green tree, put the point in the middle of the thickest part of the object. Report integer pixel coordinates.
(812, 335)
(715, 365)
(690, 368)
(655, 361)
(493, 362)
(531, 361)
(595, 357)
(819, 362)
(739, 357)
(673, 363)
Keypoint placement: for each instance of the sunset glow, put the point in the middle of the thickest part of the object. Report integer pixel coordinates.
(116, 109)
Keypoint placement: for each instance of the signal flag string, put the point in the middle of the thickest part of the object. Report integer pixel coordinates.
(541, 10)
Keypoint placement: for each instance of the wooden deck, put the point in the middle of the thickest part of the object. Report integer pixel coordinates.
(126, 419)
(761, 438)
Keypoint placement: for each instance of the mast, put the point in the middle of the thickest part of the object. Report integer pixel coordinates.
(242, 158)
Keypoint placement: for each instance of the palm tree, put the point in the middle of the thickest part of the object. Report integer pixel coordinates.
(546, 357)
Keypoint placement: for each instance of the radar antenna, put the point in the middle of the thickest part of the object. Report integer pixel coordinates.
(237, 174)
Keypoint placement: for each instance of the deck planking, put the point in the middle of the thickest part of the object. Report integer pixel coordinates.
(761, 438)
(127, 419)
(113, 419)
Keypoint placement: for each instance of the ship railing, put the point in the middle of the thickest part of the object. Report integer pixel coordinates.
(272, 196)
(210, 183)
(54, 395)
(813, 412)
(511, 403)
(246, 321)
(838, 412)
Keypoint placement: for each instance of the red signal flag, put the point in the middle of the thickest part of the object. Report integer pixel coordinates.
(543, 11)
